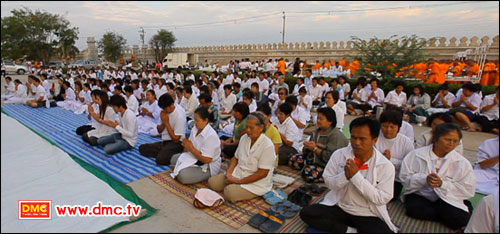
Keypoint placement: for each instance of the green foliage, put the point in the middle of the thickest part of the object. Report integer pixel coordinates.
(387, 56)
(111, 46)
(36, 35)
(162, 42)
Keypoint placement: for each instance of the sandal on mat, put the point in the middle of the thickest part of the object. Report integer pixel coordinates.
(260, 218)
(273, 224)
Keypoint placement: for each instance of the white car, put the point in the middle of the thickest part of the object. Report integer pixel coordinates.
(12, 67)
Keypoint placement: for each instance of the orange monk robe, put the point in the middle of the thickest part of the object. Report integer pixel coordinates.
(317, 66)
(420, 70)
(435, 70)
(353, 66)
(281, 67)
(443, 70)
(489, 74)
(474, 69)
(342, 63)
(326, 65)
(403, 71)
(332, 63)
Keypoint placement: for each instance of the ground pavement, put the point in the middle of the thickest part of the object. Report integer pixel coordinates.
(177, 215)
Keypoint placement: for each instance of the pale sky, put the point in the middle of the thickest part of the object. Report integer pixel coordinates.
(262, 22)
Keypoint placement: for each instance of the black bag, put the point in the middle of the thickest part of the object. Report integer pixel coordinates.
(83, 129)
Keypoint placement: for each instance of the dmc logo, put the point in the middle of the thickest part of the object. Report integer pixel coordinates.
(35, 209)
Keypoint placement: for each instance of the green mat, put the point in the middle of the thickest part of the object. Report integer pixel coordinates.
(124, 190)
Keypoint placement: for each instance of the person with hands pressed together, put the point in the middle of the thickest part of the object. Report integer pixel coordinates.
(251, 169)
(438, 180)
(201, 157)
(361, 182)
(126, 137)
(149, 114)
(172, 127)
(103, 111)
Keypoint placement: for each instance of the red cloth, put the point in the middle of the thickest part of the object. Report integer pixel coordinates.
(361, 167)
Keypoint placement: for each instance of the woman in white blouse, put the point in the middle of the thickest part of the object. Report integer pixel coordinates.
(69, 97)
(201, 157)
(106, 112)
(250, 172)
(438, 180)
(392, 144)
(289, 133)
(149, 115)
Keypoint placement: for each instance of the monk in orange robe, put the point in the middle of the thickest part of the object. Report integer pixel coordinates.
(281, 66)
(443, 70)
(326, 64)
(354, 66)
(342, 63)
(317, 66)
(420, 69)
(332, 63)
(457, 69)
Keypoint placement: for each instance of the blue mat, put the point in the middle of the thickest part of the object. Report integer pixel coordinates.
(59, 126)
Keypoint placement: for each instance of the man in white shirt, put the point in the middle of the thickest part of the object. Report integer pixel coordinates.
(443, 99)
(315, 91)
(263, 84)
(10, 88)
(39, 96)
(486, 167)
(361, 182)
(471, 102)
(376, 95)
(172, 127)
(300, 84)
(488, 117)
(132, 102)
(396, 97)
(228, 100)
(192, 102)
(485, 216)
(299, 115)
(438, 180)
(308, 80)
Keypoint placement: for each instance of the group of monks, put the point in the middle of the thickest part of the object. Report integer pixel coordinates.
(432, 71)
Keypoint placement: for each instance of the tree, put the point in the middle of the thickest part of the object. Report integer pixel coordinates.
(111, 46)
(36, 35)
(162, 42)
(387, 56)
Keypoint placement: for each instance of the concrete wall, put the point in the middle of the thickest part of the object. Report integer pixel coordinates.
(442, 48)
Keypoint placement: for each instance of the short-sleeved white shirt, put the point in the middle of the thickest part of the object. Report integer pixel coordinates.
(315, 92)
(473, 99)
(250, 159)
(263, 84)
(399, 147)
(491, 114)
(290, 130)
(395, 99)
(177, 121)
(449, 98)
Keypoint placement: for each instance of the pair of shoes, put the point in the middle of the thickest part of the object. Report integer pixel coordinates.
(286, 208)
(313, 189)
(274, 196)
(300, 197)
(267, 221)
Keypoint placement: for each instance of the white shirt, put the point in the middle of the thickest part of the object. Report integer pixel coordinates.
(324, 88)
(316, 91)
(128, 127)
(228, 102)
(473, 99)
(208, 143)
(263, 85)
(261, 155)
(407, 130)
(346, 87)
(137, 93)
(102, 129)
(340, 110)
(290, 130)
(177, 120)
(449, 98)
(354, 202)
(308, 101)
(361, 93)
(459, 182)
(160, 91)
(395, 99)
(399, 147)
(300, 114)
(491, 114)
(426, 137)
(21, 91)
(40, 92)
(253, 106)
(133, 104)
(487, 179)
(154, 109)
(296, 89)
(192, 104)
(376, 186)
(485, 217)
(374, 102)
(245, 84)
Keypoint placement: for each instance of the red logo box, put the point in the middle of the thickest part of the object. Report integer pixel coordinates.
(35, 210)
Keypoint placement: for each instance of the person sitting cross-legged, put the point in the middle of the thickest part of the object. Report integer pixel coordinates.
(438, 180)
(361, 180)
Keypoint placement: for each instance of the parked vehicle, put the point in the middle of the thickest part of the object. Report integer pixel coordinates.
(12, 67)
(174, 60)
(84, 63)
(55, 64)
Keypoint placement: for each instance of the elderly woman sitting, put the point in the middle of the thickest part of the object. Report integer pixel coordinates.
(325, 140)
(438, 180)
(251, 169)
(201, 157)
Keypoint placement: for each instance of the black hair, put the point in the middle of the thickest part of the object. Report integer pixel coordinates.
(206, 97)
(203, 113)
(292, 100)
(376, 80)
(330, 115)
(469, 86)
(392, 116)
(104, 99)
(165, 101)
(399, 83)
(421, 88)
(67, 84)
(335, 95)
(248, 95)
(118, 100)
(286, 108)
(242, 108)
(188, 89)
(86, 85)
(373, 125)
(444, 87)
(255, 84)
(301, 78)
(237, 85)
(228, 86)
(8, 78)
(303, 90)
(443, 129)
(128, 89)
(265, 108)
(204, 89)
(119, 87)
(444, 116)
(152, 92)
